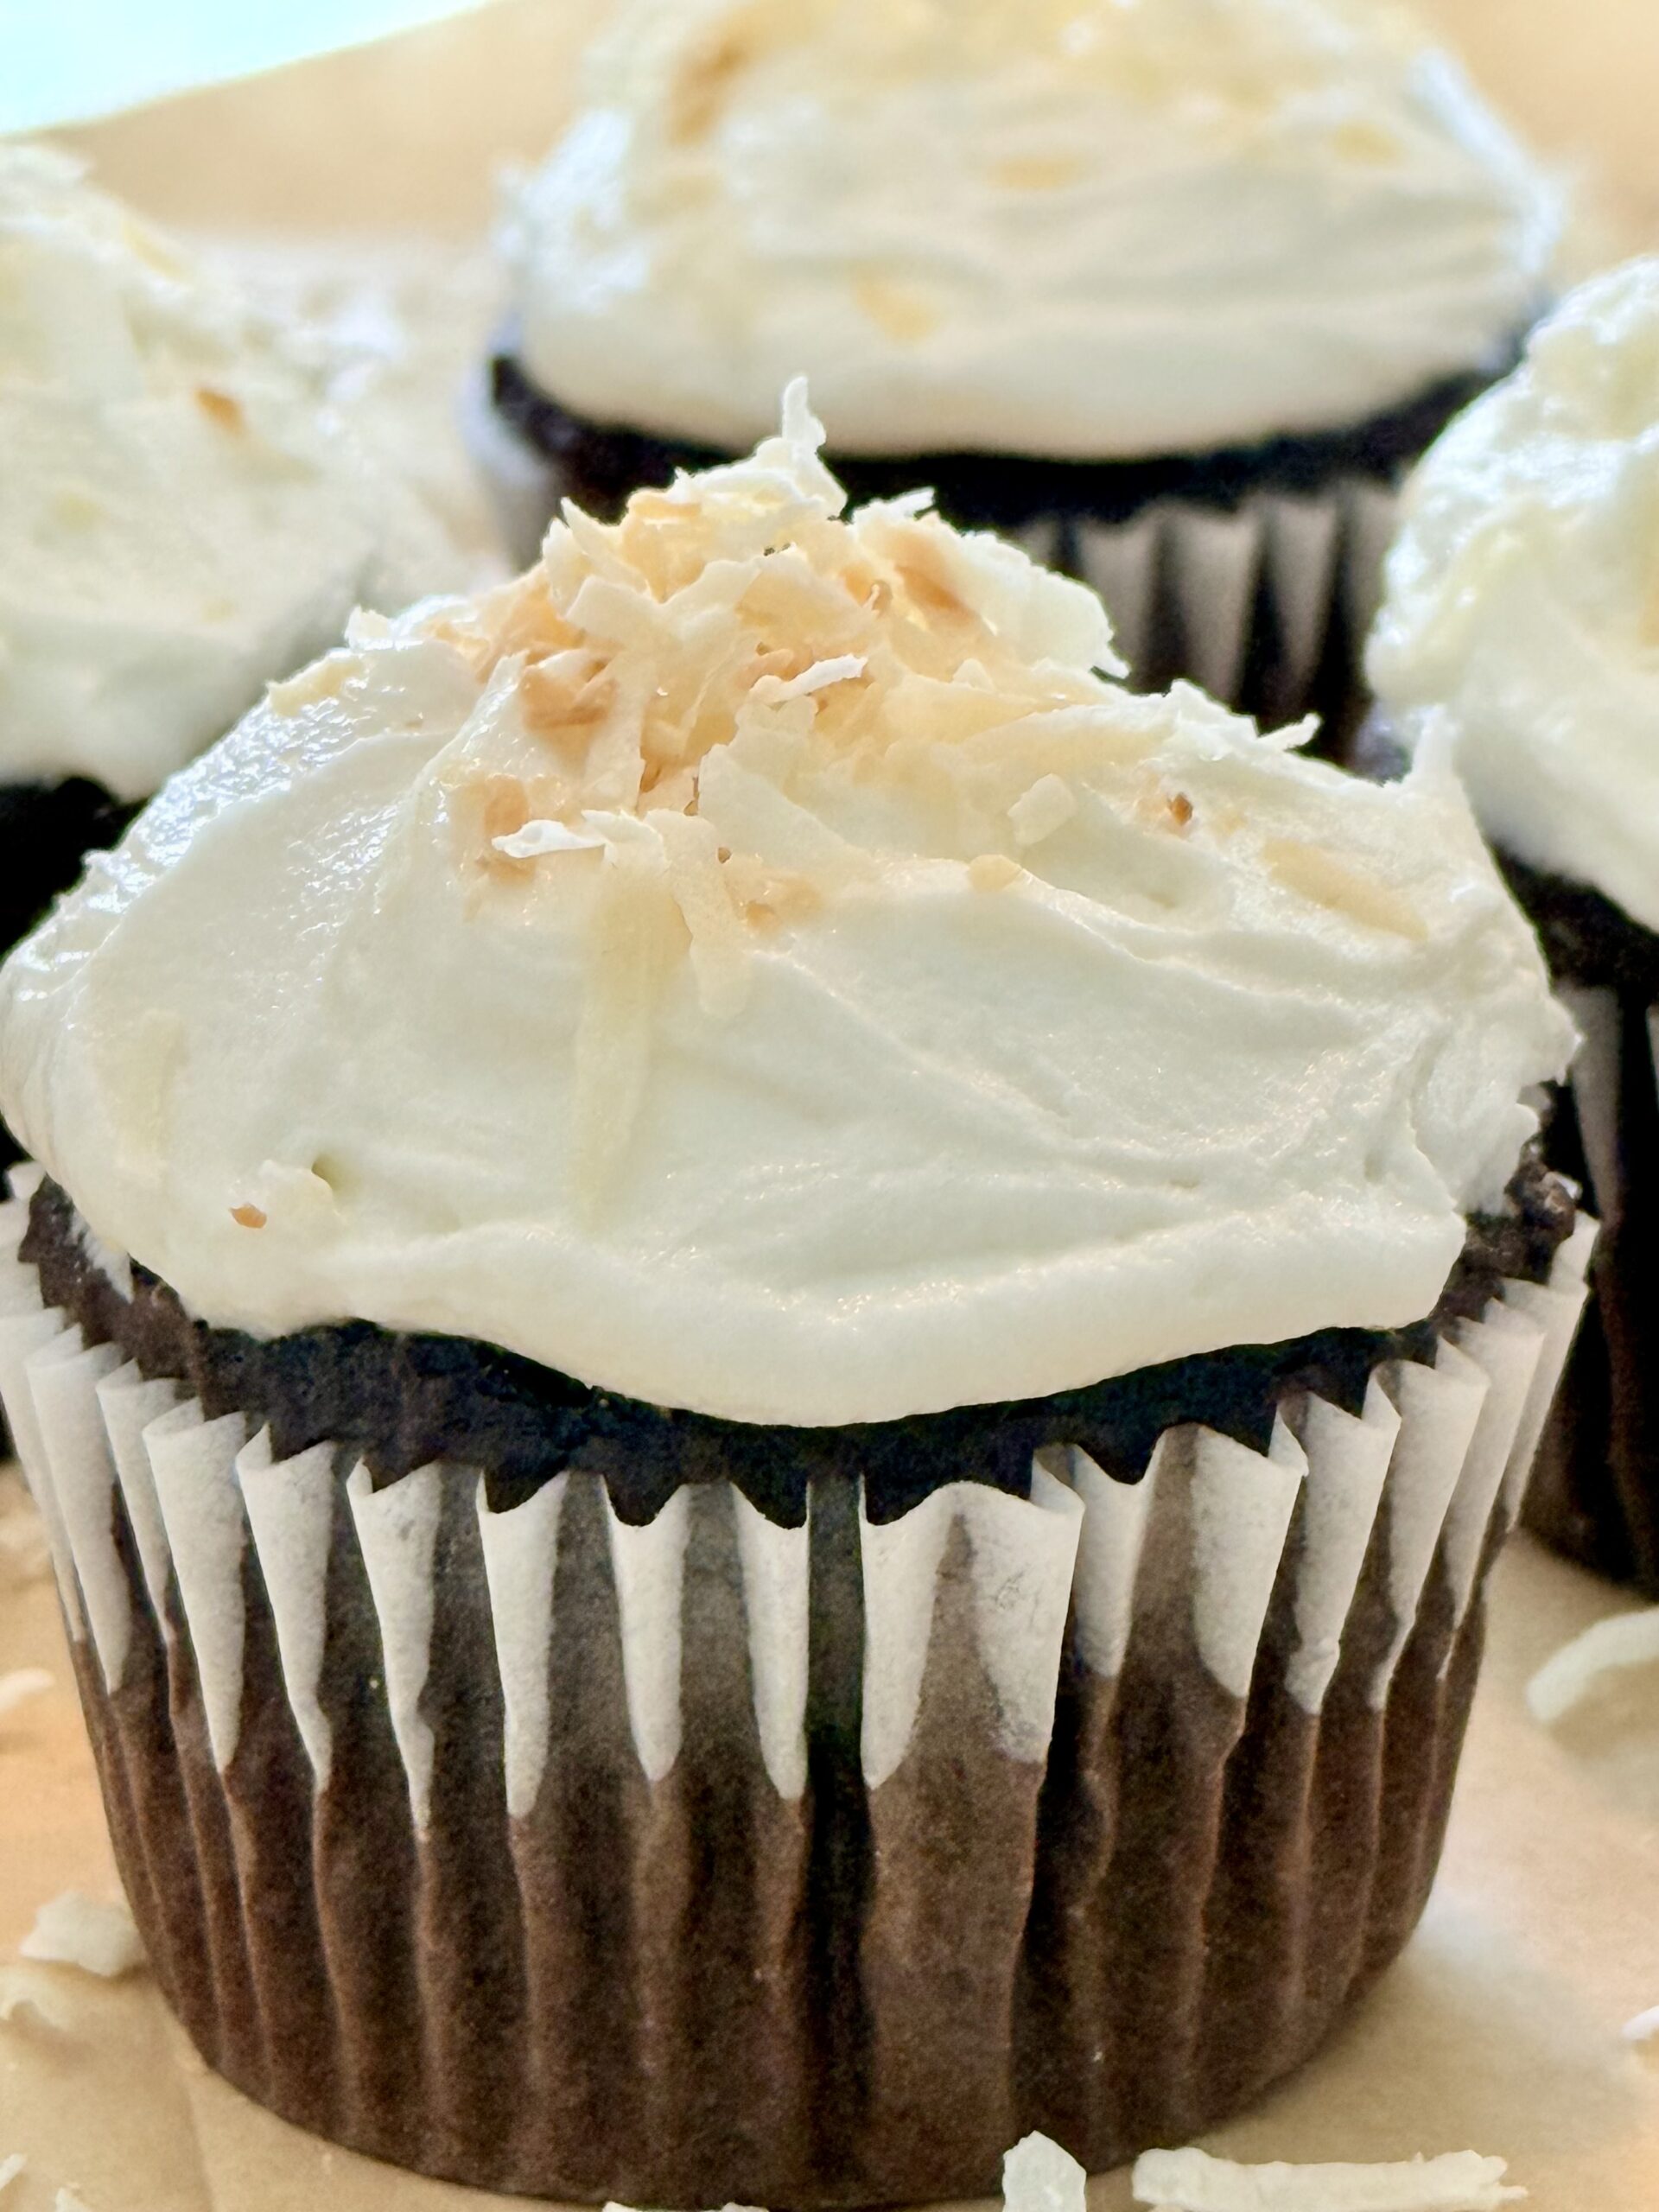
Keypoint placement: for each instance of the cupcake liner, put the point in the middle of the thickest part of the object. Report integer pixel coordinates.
(1265, 598)
(1597, 1492)
(814, 1864)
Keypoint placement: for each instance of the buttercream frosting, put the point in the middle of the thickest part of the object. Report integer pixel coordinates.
(758, 962)
(183, 513)
(1522, 596)
(1072, 228)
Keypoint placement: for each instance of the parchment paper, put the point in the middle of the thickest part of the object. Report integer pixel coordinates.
(1501, 2028)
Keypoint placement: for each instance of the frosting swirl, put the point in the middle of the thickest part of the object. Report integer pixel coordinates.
(755, 963)
(182, 513)
(1522, 596)
(1062, 228)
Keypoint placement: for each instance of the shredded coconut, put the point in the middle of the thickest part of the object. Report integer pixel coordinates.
(23, 1683)
(663, 666)
(1627, 1640)
(74, 1930)
(1037, 2176)
(1191, 2181)
(10, 2168)
(66, 2201)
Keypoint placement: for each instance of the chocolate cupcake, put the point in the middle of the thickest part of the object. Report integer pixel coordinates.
(1172, 293)
(1520, 614)
(774, 1349)
(182, 516)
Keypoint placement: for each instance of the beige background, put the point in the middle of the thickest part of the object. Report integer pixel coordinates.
(1502, 2028)
(408, 132)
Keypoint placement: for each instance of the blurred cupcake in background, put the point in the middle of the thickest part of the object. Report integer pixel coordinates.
(775, 1348)
(1171, 293)
(1522, 616)
(184, 515)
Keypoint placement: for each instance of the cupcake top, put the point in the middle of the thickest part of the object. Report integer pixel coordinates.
(1523, 597)
(182, 513)
(1074, 229)
(756, 963)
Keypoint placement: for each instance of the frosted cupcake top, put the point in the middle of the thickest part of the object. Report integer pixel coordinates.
(182, 513)
(1072, 228)
(755, 963)
(1523, 600)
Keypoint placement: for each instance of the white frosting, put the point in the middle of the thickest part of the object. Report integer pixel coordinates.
(755, 963)
(182, 514)
(1078, 228)
(1522, 596)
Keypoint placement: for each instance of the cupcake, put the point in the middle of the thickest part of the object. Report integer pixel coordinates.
(1522, 615)
(182, 516)
(1170, 293)
(774, 1347)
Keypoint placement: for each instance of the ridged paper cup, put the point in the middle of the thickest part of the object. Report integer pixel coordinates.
(714, 1858)
(1597, 1492)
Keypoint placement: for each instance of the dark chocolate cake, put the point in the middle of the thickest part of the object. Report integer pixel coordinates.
(667, 1988)
(400, 1401)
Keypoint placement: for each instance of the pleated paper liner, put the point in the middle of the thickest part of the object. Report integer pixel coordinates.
(1597, 1492)
(1266, 602)
(715, 1859)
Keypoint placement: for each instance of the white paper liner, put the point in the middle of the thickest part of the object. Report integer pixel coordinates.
(1227, 1575)
(1433, 1454)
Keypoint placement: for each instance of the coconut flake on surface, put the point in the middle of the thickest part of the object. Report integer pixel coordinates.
(1037, 2176)
(66, 2201)
(1191, 2181)
(21, 1684)
(74, 1930)
(1611, 1647)
(1642, 2036)
(26, 2001)
(614, 2207)
(10, 2168)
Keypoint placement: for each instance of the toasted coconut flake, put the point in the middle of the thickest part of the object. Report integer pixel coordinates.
(1192, 2181)
(248, 1216)
(536, 839)
(21, 1684)
(994, 872)
(74, 1930)
(1323, 881)
(325, 679)
(634, 929)
(222, 408)
(1611, 1647)
(1048, 806)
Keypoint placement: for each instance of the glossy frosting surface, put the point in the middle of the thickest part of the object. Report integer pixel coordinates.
(756, 962)
(183, 514)
(1072, 228)
(1523, 601)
